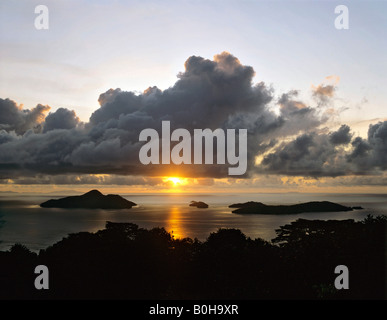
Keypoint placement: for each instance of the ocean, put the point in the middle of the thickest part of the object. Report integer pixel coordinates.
(25, 222)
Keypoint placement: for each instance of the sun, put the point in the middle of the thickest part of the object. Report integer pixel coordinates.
(175, 180)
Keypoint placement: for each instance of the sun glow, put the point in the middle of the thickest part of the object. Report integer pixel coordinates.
(176, 181)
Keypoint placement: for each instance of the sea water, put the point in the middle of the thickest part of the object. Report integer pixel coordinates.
(25, 222)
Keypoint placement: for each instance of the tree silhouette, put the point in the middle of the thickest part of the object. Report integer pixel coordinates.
(124, 261)
(1, 224)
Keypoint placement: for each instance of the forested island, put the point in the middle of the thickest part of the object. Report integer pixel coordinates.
(93, 199)
(124, 261)
(252, 207)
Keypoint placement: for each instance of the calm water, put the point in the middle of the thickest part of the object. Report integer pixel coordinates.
(26, 223)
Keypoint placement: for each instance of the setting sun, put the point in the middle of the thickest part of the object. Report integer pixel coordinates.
(175, 180)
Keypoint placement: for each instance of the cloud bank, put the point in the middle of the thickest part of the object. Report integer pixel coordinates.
(287, 135)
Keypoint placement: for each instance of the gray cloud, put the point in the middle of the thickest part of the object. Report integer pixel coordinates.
(341, 136)
(217, 93)
(310, 154)
(205, 95)
(371, 152)
(317, 154)
(61, 119)
(297, 116)
(86, 179)
(14, 118)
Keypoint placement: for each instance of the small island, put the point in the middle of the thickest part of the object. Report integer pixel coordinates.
(198, 204)
(252, 207)
(90, 200)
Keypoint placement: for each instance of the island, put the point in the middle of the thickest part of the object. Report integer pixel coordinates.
(90, 200)
(252, 207)
(198, 204)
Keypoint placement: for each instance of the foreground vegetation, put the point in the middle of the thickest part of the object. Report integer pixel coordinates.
(124, 261)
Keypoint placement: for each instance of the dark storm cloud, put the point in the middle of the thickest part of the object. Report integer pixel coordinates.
(113, 104)
(317, 155)
(341, 136)
(8, 136)
(377, 137)
(205, 96)
(40, 151)
(310, 154)
(86, 179)
(217, 93)
(371, 152)
(14, 118)
(61, 119)
(209, 94)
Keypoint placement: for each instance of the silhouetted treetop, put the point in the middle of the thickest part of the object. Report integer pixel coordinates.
(124, 261)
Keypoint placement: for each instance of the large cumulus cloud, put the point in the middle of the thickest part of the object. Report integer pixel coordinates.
(334, 154)
(371, 152)
(218, 93)
(206, 95)
(14, 118)
(61, 119)
(310, 154)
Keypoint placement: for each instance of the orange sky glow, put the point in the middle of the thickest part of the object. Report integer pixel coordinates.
(176, 184)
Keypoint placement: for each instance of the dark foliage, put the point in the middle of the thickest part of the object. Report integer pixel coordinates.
(124, 261)
(1, 221)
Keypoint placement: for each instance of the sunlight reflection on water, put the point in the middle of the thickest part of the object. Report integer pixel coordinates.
(37, 228)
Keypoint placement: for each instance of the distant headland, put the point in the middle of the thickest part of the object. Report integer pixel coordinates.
(252, 207)
(90, 200)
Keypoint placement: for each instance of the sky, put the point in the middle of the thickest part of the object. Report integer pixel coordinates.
(74, 97)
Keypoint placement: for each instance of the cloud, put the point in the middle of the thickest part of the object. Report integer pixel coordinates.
(298, 117)
(323, 93)
(218, 93)
(334, 154)
(341, 136)
(371, 152)
(310, 154)
(61, 119)
(205, 96)
(14, 118)
(85, 179)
